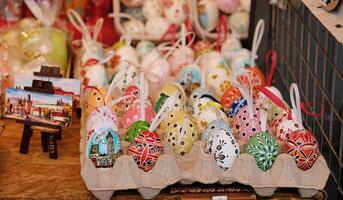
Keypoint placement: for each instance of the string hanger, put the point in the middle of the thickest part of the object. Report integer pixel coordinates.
(46, 12)
(295, 101)
(258, 34)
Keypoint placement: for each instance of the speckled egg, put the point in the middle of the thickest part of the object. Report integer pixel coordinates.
(216, 124)
(145, 150)
(264, 148)
(172, 116)
(246, 126)
(171, 87)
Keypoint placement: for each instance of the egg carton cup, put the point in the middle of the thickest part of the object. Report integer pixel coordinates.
(201, 32)
(136, 37)
(198, 166)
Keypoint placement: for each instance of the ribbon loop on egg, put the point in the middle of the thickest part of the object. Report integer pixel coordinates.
(295, 101)
(259, 30)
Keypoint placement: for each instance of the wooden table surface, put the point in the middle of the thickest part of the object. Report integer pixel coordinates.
(35, 176)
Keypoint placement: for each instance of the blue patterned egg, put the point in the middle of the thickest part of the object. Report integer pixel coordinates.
(190, 78)
(236, 105)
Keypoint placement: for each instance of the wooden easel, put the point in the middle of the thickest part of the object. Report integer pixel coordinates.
(49, 133)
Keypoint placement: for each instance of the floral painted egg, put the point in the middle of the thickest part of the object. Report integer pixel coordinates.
(255, 74)
(152, 9)
(264, 148)
(223, 147)
(246, 126)
(180, 58)
(103, 147)
(198, 93)
(158, 72)
(175, 11)
(156, 27)
(209, 114)
(132, 3)
(145, 150)
(218, 80)
(236, 106)
(133, 114)
(190, 78)
(216, 124)
(208, 14)
(144, 47)
(285, 128)
(182, 133)
(239, 23)
(172, 116)
(228, 6)
(302, 145)
(231, 94)
(136, 12)
(135, 129)
(134, 27)
(201, 47)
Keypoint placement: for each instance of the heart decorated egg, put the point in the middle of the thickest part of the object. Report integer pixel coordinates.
(228, 6)
(130, 95)
(239, 23)
(209, 114)
(152, 9)
(217, 80)
(216, 124)
(145, 150)
(198, 93)
(208, 14)
(132, 3)
(189, 78)
(303, 147)
(264, 148)
(180, 58)
(247, 125)
(135, 129)
(236, 106)
(175, 11)
(144, 47)
(231, 94)
(156, 27)
(181, 134)
(133, 114)
(223, 147)
(103, 147)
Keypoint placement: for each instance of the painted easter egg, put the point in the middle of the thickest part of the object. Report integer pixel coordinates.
(156, 27)
(208, 14)
(152, 9)
(178, 104)
(99, 117)
(218, 80)
(223, 147)
(103, 147)
(255, 74)
(130, 76)
(130, 95)
(93, 99)
(190, 78)
(302, 145)
(145, 150)
(182, 133)
(228, 6)
(231, 94)
(144, 47)
(133, 114)
(236, 106)
(246, 126)
(135, 129)
(198, 93)
(172, 116)
(230, 45)
(209, 114)
(264, 148)
(216, 124)
(285, 128)
(170, 88)
(201, 47)
(180, 58)
(124, 53)
(134, 27)
(271, 108)
(202, 103)
(277, 121)
(175, 11)
(157, 73)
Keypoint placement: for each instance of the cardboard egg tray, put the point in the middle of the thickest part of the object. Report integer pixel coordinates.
(198, 166)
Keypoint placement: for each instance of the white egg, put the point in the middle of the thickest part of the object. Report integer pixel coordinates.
(152, 9)
(156, 27)
(208, 115)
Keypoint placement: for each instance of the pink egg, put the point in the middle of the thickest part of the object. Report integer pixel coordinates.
(245, 126)
(133, 114)
(158, 72)
(228, 6)
(131, 94)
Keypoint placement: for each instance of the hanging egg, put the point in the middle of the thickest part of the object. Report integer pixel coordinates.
(223, 147)
(246, 126)
(239, 23)
(144, 47)
(198, 93)
(211, 59)
(152, 9)
(99, 117)
(212, 126)
(182, 133)
(264, 148)
(238, 59)
(129, 78)
(285, 128)
(178, 104)
(93, 99)
(228, 6)
(236, 106)
(103, 147)
(231, 94)
(255, 74)
(203, 103)
(175, 11)
(302, 145)
(134, 27)
(208, 14)
(217, 80)
(124, 52)
(132, 3)
(180, 58)
(209, 114)
(156, 27)
(133, 114)
(130, 94)
(145, 150)
(189, 78)
(135, 129)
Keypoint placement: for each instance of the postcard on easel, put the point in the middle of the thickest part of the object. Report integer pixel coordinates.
(38, 107)
(62, 86)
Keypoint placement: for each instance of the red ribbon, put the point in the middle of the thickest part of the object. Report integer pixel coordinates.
(222, 27)
(271, 55)
(172, 31)
(308, 112)
(91, 62)
(276, 100)
(189, 28)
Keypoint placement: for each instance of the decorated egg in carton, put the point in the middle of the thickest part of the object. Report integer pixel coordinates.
(198, 93)
(190, 78)
(218, 79)
(202, 103)
(135, 129)
(208, 114)
(167, 90)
